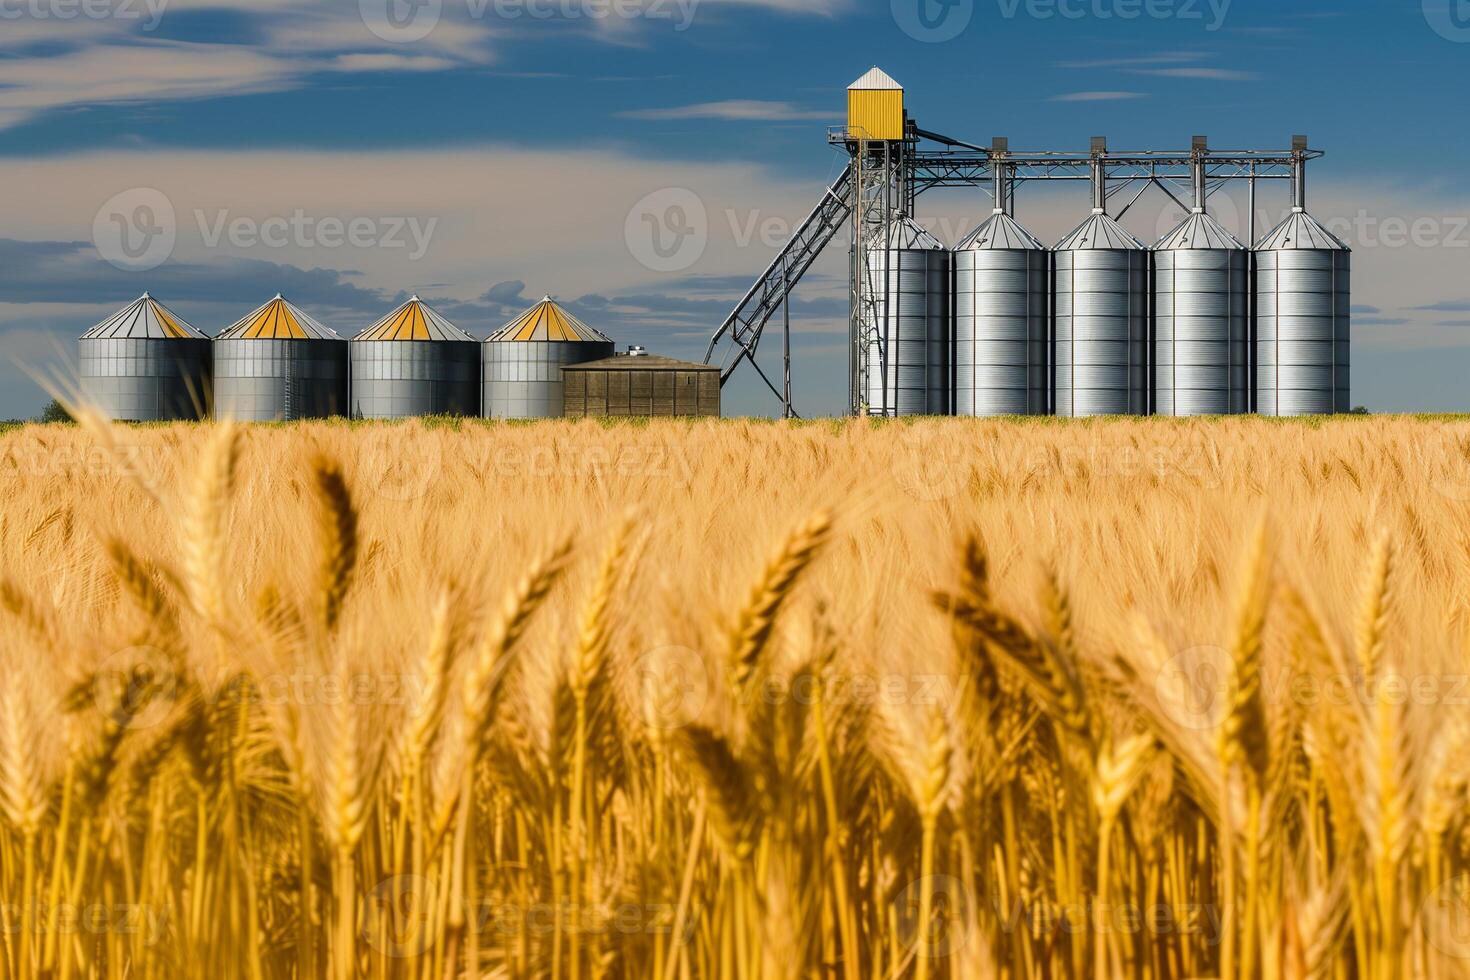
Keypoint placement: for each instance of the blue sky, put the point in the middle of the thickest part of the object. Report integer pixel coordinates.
(500, 155)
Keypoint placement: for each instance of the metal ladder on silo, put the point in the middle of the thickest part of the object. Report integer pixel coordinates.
(744, 325)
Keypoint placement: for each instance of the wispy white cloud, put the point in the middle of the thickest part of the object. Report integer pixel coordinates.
(130, 73)
(1097, 96)
(1161, 58)
(732, 109)
(54, 63)
(1215, 74)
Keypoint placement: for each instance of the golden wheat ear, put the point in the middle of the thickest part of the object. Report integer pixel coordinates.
(337, 537)
(757, 619)
(205, 529)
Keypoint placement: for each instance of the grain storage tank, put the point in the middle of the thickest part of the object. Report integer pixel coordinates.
(1303, 323)
(641, 384)
(1002, 289)
(875, 107)
(279, 364)
(906, 325)
(414, 362)
(1101, 304)
(1201, 323)
(145, 364)
(522, 361)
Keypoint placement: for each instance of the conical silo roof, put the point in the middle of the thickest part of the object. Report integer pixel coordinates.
(876, 80)
(547, 320)
(1199, 231)
(904, 232)
(1301, 231)
(414, 320)
(144, 319)
(279, 320)
(1100, 232)
(999, 231)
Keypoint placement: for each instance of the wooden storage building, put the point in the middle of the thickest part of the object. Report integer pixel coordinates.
(639, 384)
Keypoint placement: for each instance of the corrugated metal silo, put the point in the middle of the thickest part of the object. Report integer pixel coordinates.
(145, 364)
(1303, 320)
(279, 364)
(1201, 324)
(522, 365)
(1002, 287)
(413, 362)
(907, 331)
(1101, 304)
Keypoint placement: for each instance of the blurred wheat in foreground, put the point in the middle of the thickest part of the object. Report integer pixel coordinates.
(736, 700)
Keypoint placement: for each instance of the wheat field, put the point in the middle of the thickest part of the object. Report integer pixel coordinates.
(736, 700)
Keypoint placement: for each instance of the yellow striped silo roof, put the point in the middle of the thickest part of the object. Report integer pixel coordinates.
(414, 320)
(547, 321)
(144, 318)
(279, 320)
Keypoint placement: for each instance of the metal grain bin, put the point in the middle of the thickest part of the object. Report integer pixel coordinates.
(1101, 304)
(907, 331)
(145, 364)
(640, 384)
(522, 361)
(279, 364)
(413, 362)
(1201, 344)
(1303, 320)
(1002, 289)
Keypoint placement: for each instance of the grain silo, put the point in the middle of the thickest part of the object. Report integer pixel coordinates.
(1303, 319)
(522, 362)
(1101, 304)
(145, 364)
(907, 332)
(1002, 290)
(641, 384)
(413, 362)
(1201, 323)
(279, 364)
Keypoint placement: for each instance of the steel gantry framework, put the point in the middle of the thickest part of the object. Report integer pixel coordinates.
(884, 178)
